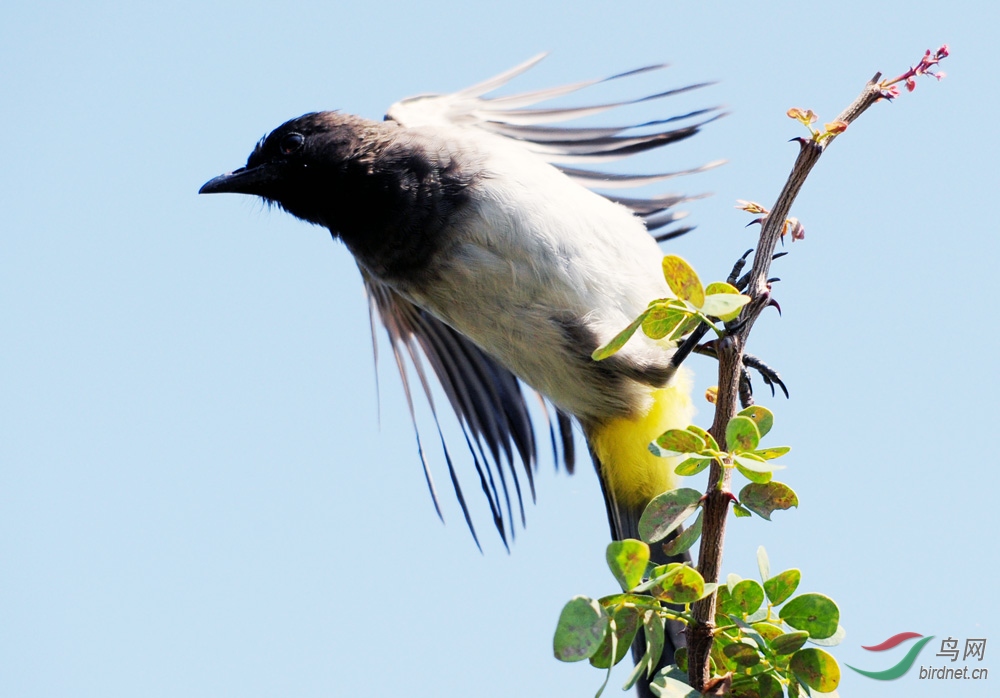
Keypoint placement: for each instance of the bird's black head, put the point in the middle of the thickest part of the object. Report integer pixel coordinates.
(388, 193)
(300, 164)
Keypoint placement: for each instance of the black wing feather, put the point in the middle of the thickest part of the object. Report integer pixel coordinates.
(487, 398)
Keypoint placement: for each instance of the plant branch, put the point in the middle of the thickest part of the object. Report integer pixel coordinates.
(730, 353)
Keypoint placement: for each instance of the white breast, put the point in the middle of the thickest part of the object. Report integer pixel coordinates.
(535, 246)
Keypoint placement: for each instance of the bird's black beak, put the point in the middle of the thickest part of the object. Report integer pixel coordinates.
(252, 180)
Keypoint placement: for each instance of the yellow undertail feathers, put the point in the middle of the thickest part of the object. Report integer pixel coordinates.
(629, 471)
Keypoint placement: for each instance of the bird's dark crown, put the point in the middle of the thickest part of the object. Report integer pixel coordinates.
(302, 162)
(310, 138)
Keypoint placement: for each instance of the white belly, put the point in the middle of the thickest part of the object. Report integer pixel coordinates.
(536, 247)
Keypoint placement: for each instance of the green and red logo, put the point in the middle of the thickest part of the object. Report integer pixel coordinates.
(904, 665)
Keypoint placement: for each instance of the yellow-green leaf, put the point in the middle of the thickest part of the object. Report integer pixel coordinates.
(626, 624)
(724, 306)
(782, 586)
(580, 630)
(619, 340)
(761, 416)
(742, 434)
(692, 466)
(685, 540)
(816, 669)
(694, 429)
(666, 512)
(681, 585)
(682, 280)
(815, 613)
(763, 499)
(627, 560)
(664, 319)
(772, 453)
(677, 441)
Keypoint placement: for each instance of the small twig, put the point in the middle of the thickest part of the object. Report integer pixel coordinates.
(730, 355)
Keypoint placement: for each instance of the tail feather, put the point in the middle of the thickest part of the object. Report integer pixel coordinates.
(631, 476)
(624, 523)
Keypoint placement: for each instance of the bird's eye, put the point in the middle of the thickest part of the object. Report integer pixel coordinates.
(290, 143)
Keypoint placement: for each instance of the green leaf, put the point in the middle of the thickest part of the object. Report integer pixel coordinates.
(710, 588)
(721, 287)
(671, 683)
(815, 613)
(740, 511)
(742, 434)
(755, 476)
(692, 466)
(763, 499)
(748, 595)
(831, 641)
(754, 469)
(816, 669)
(724, 603)
(744, 687)
(755, 464)
(637, 672)
(580, 630)
(681, 659)
(749, 633)
(782, 586)
(718, 653)
(797, 690)
(768, 631)
(685, 540)
(763, 564)
(626, 625)
(664, 318)
(683, 281)
(686, 327)
(627, 560)
(724, 306)
(677, 441)
(761, 416)
(652, 626)
(614, 651)
(772, 453)
(768, 686)
(698, 431)
(732, 579)
(742, 654)
(640, 600)
(681, 585)
(666, 512)
(789, 643)
(619, 340)
(661, 570)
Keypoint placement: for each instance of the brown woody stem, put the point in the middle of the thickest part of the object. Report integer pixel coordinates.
(730, 353)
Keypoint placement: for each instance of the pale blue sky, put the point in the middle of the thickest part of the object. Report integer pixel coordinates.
(196, 497)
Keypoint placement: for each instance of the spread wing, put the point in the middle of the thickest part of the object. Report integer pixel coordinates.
(516, 117)
(488, 400)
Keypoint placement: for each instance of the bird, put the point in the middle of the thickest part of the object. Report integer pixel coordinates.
(487, 252)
